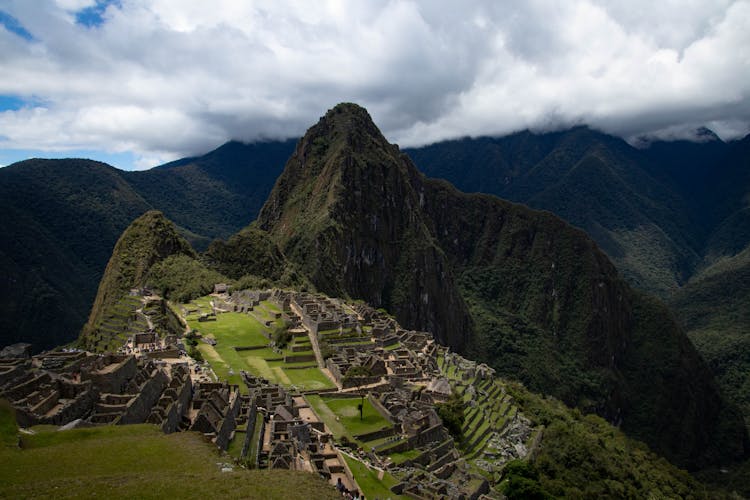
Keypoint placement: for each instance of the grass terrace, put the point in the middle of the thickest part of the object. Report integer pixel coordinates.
(368, 479)
(342, 417)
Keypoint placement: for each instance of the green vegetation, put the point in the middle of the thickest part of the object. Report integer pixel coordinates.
(452, 414)
(8, 428)
(281, 335)
(137, 461)
(343, 418)
(585, 457)
(348, 412)
(367, 479)
(181, 278)
(519, 289)
(521, 482)
(713, 308)
(148, 240)
(249, 251)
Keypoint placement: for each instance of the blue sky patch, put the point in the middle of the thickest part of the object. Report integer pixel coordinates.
(91, 17)
(123, 161)
(14, 26)
(11, 103)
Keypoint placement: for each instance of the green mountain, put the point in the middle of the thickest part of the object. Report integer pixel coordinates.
(592, 180)
(61, 219)
(214, 195)
(346, 210)
(673, 217)
(148, 241)
(517, 288)
(714, 309)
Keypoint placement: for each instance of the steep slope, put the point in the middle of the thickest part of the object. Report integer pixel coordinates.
(520, 289)
(592, 180)
(149, 240)
(60, 221)
(714, 308)
(728, 200)
(347, 211)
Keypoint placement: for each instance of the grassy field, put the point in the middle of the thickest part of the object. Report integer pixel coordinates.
(346, 410)
(342, 416)
(236, 329)
(367, 478)
(134, 461)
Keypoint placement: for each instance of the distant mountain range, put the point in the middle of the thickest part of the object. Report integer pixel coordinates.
(674, 217)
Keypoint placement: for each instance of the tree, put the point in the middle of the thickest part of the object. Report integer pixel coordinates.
(452, 414)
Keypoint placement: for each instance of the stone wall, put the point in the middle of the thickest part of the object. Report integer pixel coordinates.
(229, 423)
(165, 353)
(299, 358)
(372, 436)
(350, 382)
(174, 412)
(139, 407)
(113, 378)
(252, 413)
(382, 409)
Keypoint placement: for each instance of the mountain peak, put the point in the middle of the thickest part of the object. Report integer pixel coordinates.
(345, 127)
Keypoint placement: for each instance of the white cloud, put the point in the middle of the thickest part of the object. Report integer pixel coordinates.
(168, 78)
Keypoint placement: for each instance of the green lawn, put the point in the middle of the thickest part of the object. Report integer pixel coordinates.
(253, 450)
(401, 457)
(368, 480)
(309, 378)
(235, 446)
(327, 416)
(348, 414)
(138, 461)
(237, 329)
(270, 306)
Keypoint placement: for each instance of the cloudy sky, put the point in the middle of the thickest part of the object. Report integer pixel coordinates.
(140, 82)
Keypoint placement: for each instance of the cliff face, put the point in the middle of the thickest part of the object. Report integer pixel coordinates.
(347, 208)
(517, 288)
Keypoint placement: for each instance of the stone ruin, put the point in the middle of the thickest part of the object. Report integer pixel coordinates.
(290, 437)
(217, 406)
(60, 387)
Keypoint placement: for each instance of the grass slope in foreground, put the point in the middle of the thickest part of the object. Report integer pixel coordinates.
(134, 461)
